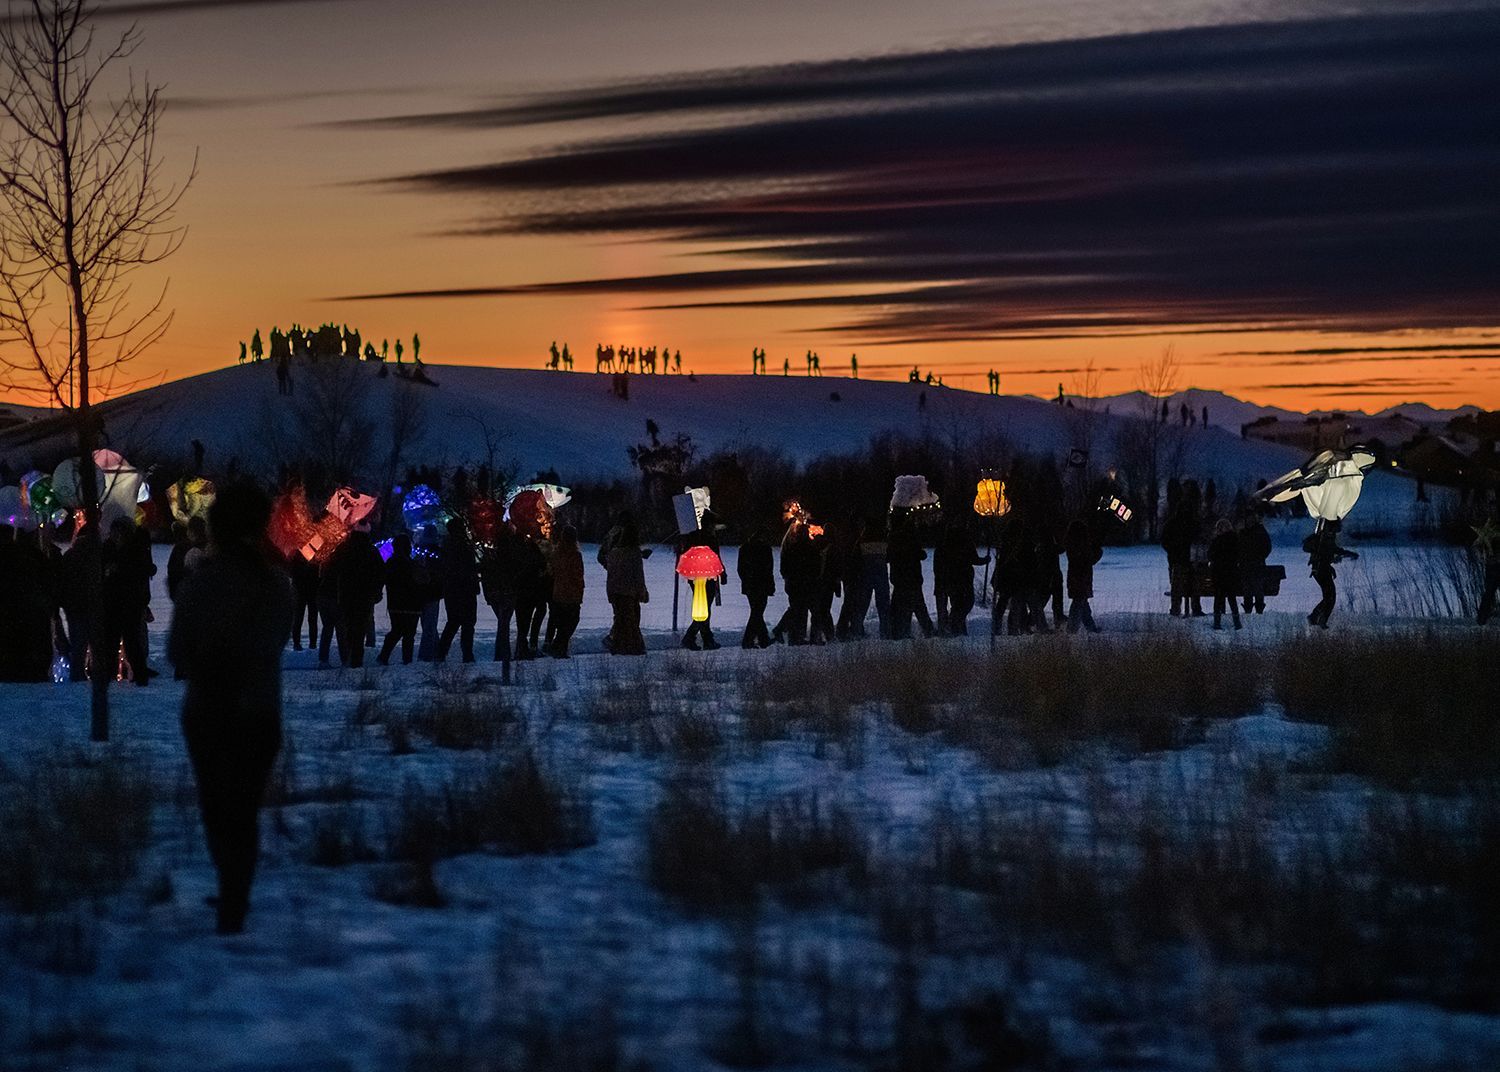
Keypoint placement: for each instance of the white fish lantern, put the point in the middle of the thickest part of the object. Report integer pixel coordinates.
(1329, 483)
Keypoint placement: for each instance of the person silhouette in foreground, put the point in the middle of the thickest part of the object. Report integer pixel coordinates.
(231, 622)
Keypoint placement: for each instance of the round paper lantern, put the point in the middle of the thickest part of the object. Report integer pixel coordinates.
(990, 499)
(191, 498)
(422, 508)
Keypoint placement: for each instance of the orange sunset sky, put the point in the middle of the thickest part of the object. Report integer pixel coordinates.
(960, 185)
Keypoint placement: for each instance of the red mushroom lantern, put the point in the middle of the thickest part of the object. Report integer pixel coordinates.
(700, 565)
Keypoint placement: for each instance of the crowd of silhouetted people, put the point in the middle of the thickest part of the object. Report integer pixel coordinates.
(328, 342)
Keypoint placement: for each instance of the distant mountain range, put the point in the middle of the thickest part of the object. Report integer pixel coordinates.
(1226, 411)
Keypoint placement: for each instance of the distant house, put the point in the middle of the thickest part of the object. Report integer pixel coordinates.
(1321, 431)
(1465, 454)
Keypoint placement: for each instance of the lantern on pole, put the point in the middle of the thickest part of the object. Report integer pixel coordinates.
(990, 499)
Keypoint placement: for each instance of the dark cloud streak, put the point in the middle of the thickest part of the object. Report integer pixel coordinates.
(1338, 175)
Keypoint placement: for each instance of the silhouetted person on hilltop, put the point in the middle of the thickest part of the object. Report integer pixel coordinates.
(228, 630)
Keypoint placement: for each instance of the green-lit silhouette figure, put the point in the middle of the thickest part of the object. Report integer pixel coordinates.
(416, 347)
(242, 351)
(257, 349)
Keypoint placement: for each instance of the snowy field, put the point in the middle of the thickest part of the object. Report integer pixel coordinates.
(590, 941)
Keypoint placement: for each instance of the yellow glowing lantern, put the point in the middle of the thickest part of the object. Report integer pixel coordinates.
(990, 499)
(700, 565)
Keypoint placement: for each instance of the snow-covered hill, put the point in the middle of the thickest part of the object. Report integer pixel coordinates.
(574, 424)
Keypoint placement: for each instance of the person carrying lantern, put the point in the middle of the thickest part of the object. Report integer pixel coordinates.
(403, 602)
(1323, 553)
(905, 555)
(706, 572)
(567, 593)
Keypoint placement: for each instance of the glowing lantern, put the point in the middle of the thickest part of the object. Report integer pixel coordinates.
(990, 499)
(191, 498)
(1112, 504)
(350, 507)
(700, 565)
(485, 516)
(530, 513)
(119, 485)
(421, 508)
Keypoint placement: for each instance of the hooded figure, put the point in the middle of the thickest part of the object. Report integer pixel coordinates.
(953, 563)
(403, 602)
(905, 555)
(626, 588)
(757, 572)
(230, 624)
(1255, 549)
(460, 581)
(1224, 570)
(1083, 552)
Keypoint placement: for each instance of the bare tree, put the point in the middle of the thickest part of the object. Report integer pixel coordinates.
(85, 204)
(1082, 417)
(1150, 445)
(407, 424)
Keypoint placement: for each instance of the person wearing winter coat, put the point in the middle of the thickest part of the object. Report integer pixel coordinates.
(757, 572)
(193, 537)
(348, 590)
(533, 589)
(501, 565)
(1083, 551)
(1255, 549)
(1048, 580)
(905, 555)
(953, 562)
(1323, 553)
(76, 595)
(567, 593)
(801, 569)
(867, 579)
(305, 578)
(830, 585)
(1224, 571)
(403, 602)
(26, 625)
(1178, 533)
(704, 536)
(625, 585)
(460, 582)
(127, 588)
(229, 626)
(1014, 578)
(1485, 545)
